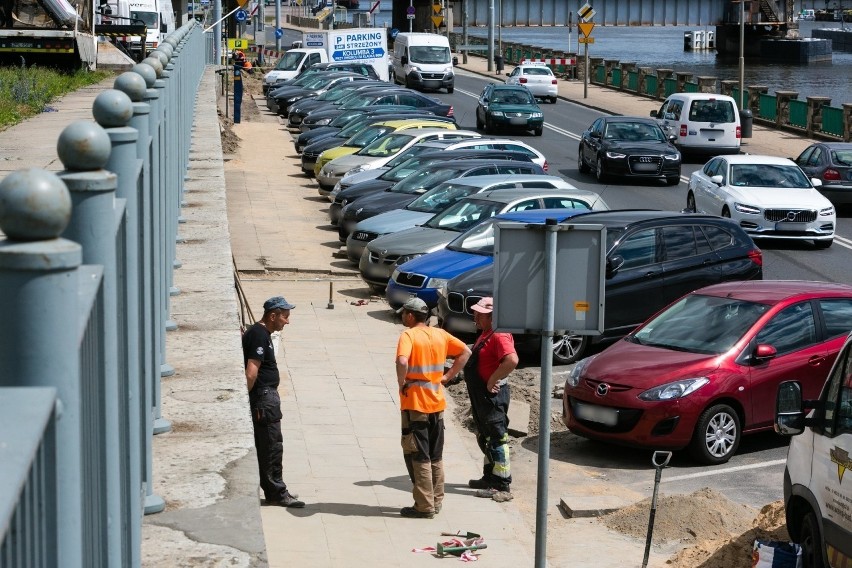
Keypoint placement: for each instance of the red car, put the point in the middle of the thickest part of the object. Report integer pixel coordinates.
(706, 369)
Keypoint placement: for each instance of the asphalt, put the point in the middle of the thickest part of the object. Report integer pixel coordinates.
(338, 386)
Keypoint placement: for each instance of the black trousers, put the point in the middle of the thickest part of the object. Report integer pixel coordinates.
(491, 416)
(268, 441)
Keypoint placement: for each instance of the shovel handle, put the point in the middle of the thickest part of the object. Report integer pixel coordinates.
(661, 459)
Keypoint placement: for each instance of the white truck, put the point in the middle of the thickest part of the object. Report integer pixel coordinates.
(817, 493)
(53, 33)
(159, 19)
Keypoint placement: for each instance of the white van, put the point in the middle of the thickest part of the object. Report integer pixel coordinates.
(423, 61)
(159, 18)
(818, 476)
(293, 63)
(701, 122)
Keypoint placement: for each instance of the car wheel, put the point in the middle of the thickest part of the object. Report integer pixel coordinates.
(553, 100)
(449, 90)
(690, 203)
(489, 128)
(538, 131)
(479, 125)
(569, 348)
(581, 163)
(726, 212)
(809, 539)
(674, 180)
(717, 435)
(599, 170)
(823, 244)
(376, 289)
(408, 83)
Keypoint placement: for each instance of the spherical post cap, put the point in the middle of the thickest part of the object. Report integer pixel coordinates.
(83, 145)
(131, 84)
(34, 205)
(161, 56)
(112, 109)
(154, 62)
(146, 72)
(167, 49)
(172, 41)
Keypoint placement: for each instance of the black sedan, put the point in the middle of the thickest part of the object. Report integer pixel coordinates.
(628, 146)
(830, 162)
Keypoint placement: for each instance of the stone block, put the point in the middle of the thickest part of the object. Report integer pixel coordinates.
(519, 418)
(583, 506)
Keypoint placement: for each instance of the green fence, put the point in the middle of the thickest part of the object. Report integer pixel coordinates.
(616, 77)
(767, 107)
(690, 87)
(633, 80)
(799, 113)
(670, 86)
(600, 74)
(651, 85)
(832, 121)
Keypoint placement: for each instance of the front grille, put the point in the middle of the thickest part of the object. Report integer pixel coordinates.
(469, 302)
(295, 119)
(455, 302)
(790, 215)
(310, 156)
(410, 279)
(645, 164)
(339, 201)
(432, 75)
(517, 114)
(365, 236)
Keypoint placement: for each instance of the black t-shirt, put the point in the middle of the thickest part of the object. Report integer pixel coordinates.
(257, 344)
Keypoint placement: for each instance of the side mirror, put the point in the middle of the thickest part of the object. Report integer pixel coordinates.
(163, 28)
(672, 138)
(595, 134)
(613, 264)
(789, 410)
(763, 353)
(817, 182)
(404, 60)
(654, 114)
(455, 61)
(718, 180)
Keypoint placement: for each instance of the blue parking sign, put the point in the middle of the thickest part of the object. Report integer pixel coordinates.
(394, 32)
(279, 33)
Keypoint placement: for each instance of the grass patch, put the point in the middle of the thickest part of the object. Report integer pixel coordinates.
(27, 91)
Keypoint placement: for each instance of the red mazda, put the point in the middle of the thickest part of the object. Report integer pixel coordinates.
(706, 369)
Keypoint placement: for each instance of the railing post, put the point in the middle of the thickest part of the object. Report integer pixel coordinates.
(754, 92)
(643, 80)
(681, 78)
(83, 148)
(39, 283)
(662, 75)
(706, 84)
(626, 69)
(847, 122)
(782, 106)
(815, 106)
(150, 156)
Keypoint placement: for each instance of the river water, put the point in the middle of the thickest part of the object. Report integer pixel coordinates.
(662, 47)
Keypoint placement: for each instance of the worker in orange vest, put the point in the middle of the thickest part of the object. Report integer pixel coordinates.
(241, 64)
(420, 356)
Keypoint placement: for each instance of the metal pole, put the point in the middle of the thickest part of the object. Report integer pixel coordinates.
(277, 24)
(586, 65)
(464, 30)
(217, 32)
(742, 51)
(550, 229)
(500, 30)
(490, 35)
(410, 20)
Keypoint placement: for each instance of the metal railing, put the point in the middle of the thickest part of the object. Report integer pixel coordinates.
(86, 273)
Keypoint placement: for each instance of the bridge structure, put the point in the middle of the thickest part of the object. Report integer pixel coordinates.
(564, 12)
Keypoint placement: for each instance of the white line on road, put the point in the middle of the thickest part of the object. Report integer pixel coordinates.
(724, 471)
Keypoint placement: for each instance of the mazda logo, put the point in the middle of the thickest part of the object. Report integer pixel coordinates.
(791, 215)
(602, 389)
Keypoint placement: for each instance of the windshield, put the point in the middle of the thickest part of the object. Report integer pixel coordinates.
(768, 175)
(723, 323)
(462, 215)
(387, 146)
(368, 135)
(425, 179)
(356, 125)
(479, 240)
(440, 197)
(428, 54)
(406, 168)
(150, 19)
(513, 97)
(290, 61)
(634, 132)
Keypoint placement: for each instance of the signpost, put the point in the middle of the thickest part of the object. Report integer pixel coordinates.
(409, 13)
(586, 26)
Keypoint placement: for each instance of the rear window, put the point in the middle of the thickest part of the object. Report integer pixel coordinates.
(537, 71)
(711, 110)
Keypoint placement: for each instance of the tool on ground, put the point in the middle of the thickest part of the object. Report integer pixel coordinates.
(457, 550)
(461, 534)
(330, 305)
(659, 460)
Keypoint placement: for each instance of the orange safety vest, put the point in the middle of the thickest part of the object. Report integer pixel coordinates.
(426, 349)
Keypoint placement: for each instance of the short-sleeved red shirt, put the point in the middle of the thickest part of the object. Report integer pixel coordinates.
(496, 347)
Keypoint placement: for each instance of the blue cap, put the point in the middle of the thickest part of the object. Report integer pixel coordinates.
(277, 303)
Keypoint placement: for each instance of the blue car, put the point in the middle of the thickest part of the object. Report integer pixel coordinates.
(425, 275)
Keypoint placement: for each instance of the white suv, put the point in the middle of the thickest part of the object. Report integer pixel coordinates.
(537, 78)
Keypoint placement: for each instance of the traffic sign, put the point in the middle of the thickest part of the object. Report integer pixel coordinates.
(241, 15)
(355, 54)
(410, 10)
(279, 33)
(586, 13)
(437, 20)
(375, 6)
(410, 16)
(394, 32)
(436, 7)
(585, 40)
(586, 28)
(237, 43)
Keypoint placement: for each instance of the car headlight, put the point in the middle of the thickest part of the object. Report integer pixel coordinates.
(496, 113)
(336, 188)
(615, 156)
(677, 389)
(826, 212)
(747, 209)
(415, 68)
(322, 121)
(395, 274)
(355, 170)
(405, 258)
(448, 70)
(577, 371)
(672, 157)
(437, 283)
(536, 115)
(293, 99)
(344, 202)
(323, 172)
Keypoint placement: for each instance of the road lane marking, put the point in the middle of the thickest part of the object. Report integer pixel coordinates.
(724, 471)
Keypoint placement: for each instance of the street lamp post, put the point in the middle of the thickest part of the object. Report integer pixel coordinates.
(500, 30)
(742, 52)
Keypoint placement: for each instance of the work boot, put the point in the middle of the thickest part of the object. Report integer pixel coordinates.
(424, 496)
(413, 513)
(486, 482)
(287, 501)
(438, 484)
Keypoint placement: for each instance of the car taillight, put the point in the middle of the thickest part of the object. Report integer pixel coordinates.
(683, 130)
(553, 81)
(831, 175)
(523, 80)
(739, 132)
(756, 256)
(545, 166)
(450, 112)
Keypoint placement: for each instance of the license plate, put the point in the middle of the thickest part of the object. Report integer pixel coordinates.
(400, 296)
(518, 121)
(600, 414)
(644, 167)
(349, 226)
(792, 227)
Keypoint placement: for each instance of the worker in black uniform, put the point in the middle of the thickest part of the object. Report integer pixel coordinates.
(241, 65)
(262, 381)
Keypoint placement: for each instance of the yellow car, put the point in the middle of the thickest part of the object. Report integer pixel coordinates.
(372, 133)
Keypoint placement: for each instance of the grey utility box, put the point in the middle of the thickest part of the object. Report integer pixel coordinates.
(519, 263)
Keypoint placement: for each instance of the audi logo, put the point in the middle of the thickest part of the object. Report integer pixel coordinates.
(602, 389)
(646, 159)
